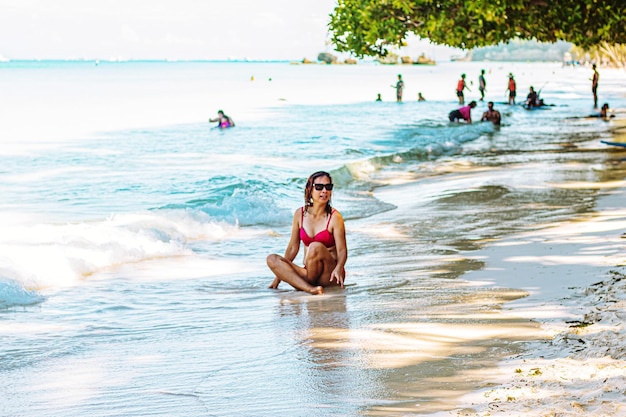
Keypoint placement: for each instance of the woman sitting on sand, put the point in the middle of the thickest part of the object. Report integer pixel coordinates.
(321, 228)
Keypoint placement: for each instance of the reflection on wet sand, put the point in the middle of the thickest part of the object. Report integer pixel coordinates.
(392, 367)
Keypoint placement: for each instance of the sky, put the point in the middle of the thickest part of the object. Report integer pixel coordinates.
(176, 29)
(165, 29)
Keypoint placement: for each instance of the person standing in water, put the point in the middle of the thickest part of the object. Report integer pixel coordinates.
(594, 86)
(512, 87)
(482, 84)
(460, 87)
(399, 88)
(321, 229)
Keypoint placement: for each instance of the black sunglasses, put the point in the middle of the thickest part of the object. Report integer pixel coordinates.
(320, 187)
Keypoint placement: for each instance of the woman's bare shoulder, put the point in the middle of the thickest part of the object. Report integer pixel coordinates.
(337, 215)
(297, 214)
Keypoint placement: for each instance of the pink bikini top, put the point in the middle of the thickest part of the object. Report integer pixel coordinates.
(324, 237)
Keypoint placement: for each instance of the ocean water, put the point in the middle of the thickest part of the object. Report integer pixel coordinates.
(134, 234)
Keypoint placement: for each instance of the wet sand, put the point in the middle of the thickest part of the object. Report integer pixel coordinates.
(533, 325)
(574, 274)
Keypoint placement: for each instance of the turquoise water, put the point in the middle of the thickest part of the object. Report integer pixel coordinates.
(132, 259)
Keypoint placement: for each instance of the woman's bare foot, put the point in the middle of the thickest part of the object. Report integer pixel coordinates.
(274, 284)
(317, 290)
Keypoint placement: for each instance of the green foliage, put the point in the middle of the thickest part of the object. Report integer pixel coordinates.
(372, 27)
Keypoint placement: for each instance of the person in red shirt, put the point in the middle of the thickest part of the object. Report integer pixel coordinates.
(460, 87)
(511, 89)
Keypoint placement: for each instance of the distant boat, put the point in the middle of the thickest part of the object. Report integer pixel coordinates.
(424, 60)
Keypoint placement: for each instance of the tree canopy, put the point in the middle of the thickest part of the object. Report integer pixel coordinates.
(371, 27)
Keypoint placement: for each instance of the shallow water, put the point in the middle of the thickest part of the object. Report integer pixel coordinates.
(132, 259)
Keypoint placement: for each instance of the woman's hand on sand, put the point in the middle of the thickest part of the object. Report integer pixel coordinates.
(337, 276)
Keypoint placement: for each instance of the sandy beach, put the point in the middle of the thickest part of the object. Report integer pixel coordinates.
(573, 273)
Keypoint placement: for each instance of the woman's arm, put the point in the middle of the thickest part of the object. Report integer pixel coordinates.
(293, 247)
(339, 233)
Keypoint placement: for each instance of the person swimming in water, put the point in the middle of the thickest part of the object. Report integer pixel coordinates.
(604, 112)
(321, 229)
(223, 121)
(491, 114)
